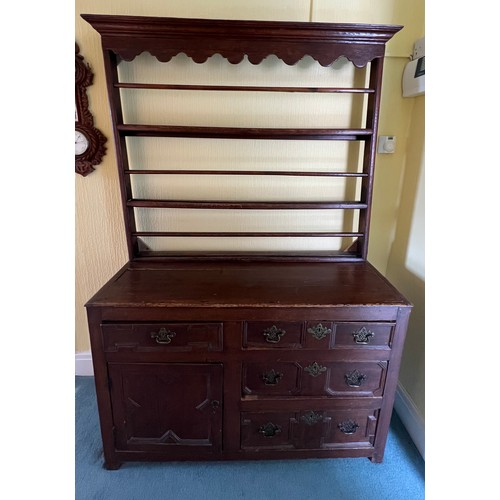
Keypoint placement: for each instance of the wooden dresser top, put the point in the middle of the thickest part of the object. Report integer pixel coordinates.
(248, 284)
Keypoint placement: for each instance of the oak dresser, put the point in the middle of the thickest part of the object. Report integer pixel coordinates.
(222, 355)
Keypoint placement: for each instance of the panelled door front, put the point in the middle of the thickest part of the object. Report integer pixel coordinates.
(167, 407)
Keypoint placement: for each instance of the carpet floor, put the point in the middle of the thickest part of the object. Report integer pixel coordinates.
(399, 477)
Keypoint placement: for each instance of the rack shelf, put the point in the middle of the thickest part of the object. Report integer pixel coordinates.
(243, 133)
(291, 173)
(243, 88)
(125, 37)
(247, 205)
(239, 234)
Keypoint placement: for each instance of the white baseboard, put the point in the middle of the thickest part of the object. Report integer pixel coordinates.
(83, 364)
(411, 418)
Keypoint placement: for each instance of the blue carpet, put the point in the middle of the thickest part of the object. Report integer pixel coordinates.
(400, 476)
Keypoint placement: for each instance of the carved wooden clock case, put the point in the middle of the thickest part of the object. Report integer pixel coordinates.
(229, 355)
(89, 141)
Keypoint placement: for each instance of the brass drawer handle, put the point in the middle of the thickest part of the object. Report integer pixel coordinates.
(272, 377)
(319, 331)
(355, 378)
(363, 336)
(269, 430)
(348, 427)
(311, 418)
(273, 334)
(315, 369)
(164, 336)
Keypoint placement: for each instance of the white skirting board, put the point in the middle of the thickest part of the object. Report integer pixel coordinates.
(411, 418)
(83, 364)
(403, 404)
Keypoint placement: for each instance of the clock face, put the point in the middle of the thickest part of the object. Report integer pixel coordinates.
(81, 143)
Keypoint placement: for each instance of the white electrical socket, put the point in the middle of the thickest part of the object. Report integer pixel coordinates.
(419, 48)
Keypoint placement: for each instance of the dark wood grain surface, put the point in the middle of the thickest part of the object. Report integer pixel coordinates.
(125, 37)
(201, 356)
(165, 37)
(249, 284)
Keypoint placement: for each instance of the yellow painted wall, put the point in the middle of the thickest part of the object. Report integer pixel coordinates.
(405, 266)
(396, 243)
(100, 242)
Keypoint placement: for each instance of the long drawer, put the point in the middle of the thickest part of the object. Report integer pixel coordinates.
(168, 337)
(312, 378)
(318, 334)
(310, 429)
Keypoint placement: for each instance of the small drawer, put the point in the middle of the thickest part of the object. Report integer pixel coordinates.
(364, 335)
(271, 379)
(308, 429)
(152, 337)
(319, 335)
(269, 334)
(312, 378)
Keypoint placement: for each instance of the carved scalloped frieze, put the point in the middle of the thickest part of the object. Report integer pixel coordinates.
(164, 37)
(290, 58)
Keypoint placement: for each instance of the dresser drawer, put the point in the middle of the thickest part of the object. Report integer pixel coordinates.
(364, 335)
(268, 334)
(312, 378)
(289, 335)
(152, 337)
(317, 334)
(309, 429)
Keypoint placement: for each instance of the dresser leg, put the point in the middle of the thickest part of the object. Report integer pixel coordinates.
(377, 458)
(112, 465)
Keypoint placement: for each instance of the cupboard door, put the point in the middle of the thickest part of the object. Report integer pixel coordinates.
(167, 407)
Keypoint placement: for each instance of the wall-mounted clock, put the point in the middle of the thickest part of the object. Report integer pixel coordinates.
(89, 141)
